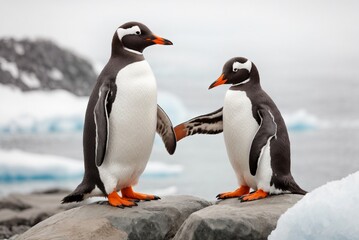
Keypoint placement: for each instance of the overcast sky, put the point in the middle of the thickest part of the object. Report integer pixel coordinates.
(291, 42)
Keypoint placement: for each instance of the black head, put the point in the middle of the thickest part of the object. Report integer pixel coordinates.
(236, 71)
(136, 36)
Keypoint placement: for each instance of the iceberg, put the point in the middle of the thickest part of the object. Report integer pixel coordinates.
(16, 165)
(328, 212)
(40, 111)
(20, 166)
(59, 110)
(302, 120)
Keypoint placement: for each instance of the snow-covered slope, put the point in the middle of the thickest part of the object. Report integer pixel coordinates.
(42, 65)
(329, 212)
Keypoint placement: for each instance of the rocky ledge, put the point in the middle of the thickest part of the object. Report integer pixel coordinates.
(231, 219)
(149, 220)
(19, 212)
(172, 217)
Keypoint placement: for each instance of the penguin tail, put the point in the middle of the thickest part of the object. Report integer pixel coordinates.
(73, 197)
(78, 194)
(287, 183)
(293, 187)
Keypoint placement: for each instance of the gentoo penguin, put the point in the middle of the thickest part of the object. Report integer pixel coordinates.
(254, 131)
(121, 119)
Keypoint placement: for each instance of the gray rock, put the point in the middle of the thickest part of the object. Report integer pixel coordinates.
(149, 220)
(19, 212)
(42, 65)
(5, 232)
(13, 203)
(232, 219)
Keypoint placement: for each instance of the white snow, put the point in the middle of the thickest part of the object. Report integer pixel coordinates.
(30, 79)
(329, 212)
(19, 49)
(16, 165)
(55, 74)
(39, 111)
(10, 67)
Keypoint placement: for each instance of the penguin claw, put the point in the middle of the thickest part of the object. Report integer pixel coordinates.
(259, 194)
(130, 194)
(116, 201)
(242, 190)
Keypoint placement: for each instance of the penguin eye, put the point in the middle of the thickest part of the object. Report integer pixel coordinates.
(235, 69)
(138, 32)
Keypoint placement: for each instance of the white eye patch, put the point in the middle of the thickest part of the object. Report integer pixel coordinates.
(121, 32)
(237, 66)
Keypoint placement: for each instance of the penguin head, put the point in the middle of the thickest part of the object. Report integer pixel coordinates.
(236, 71)
(136, 36)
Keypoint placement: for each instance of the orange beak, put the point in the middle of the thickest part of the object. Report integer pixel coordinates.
(218, 82)
(158, 40)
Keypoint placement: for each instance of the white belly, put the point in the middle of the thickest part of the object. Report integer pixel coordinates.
(132, 127)
(239, 129)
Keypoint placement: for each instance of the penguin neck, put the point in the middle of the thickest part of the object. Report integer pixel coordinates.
(119, 50)
(251, 83)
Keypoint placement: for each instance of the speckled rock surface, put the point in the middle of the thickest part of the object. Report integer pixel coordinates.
(149, 220)
(232, 219)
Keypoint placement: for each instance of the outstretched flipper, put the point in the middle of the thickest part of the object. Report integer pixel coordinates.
(266, 131)
(211, 123)
(165, 130)
(101, 114)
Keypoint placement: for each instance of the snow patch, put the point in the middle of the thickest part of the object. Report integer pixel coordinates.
(19, 49)
(328, 212)
(30, 80)
(10, 67)
(55, 74)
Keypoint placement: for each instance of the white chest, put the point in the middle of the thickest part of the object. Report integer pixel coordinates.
(132, 124)
(239, 129)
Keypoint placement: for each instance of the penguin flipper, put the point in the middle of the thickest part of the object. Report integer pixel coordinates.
(266, 131)
(165, 130)
(211, 123)
(101, 115)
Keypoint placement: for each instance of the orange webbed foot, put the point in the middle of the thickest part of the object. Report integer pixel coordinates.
(259, 194)
(237, 193)
(116, 201)
(128, 193)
